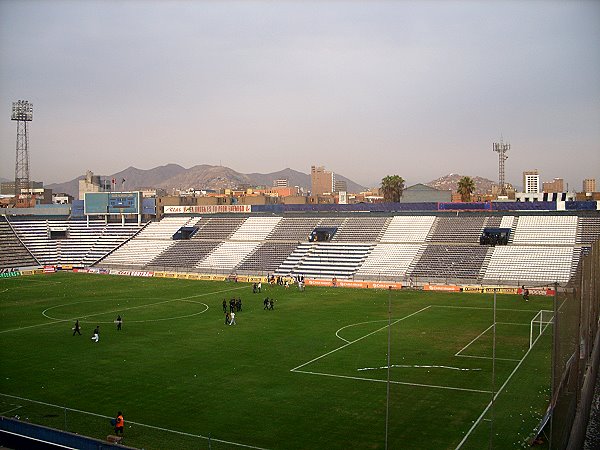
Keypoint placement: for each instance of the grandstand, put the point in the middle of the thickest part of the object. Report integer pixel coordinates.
(543, 248)
(71, 242)
(14, 253)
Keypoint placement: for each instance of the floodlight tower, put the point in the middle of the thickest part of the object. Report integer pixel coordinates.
(501, 148)
(22, 112)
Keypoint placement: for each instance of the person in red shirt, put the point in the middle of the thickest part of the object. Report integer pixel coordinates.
(119, 423)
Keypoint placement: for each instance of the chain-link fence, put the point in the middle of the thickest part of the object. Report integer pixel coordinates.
(575, 357)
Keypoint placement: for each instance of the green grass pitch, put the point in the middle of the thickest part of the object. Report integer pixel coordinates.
(311, 374)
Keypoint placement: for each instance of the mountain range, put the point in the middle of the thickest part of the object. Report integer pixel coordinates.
(174, 176)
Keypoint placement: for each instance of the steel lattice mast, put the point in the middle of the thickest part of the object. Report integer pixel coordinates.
(501, 148)
(22, 112)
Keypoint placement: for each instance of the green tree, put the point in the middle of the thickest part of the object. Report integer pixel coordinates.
(392, 187)
(466, 186)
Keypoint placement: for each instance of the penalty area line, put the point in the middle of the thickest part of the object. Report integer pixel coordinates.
(3, 413)
(295, 369)
(489, 405)
(182, 433)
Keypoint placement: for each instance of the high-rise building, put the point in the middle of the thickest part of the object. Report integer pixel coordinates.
(339, 185)
(91, 183)
(531, 182)
(282, 182)
(321, 180)
(556, 185)
(589, 185)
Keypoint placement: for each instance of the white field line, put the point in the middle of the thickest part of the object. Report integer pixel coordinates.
(355, 324)
(29, 438)
(133, 307)
(3, 413)
(356, 340)
(31, 280)
(481, 307)
(512, 323)
(478, 336)
(192, 301)
(394, 382)
(182, 433)
(417, 366)
(464, 439)
(481, 334)
(107, 312)
(488, 357)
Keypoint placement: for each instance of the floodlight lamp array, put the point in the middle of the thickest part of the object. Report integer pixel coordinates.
(22, 110)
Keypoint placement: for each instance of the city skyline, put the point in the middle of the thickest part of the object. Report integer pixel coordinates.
(366, 89)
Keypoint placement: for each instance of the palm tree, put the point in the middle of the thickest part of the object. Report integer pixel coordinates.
(466, 186)
(392, 187)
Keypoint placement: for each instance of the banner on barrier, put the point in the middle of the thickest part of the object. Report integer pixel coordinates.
(310, 282)
(49, 269)
(441, 287)
(500, 290)
(257, 279)
(132, 273)
(541, 291)
(141, 273)
(472, 289)
(207, 209)
(354, 284)
(381, 285)
(12, 273)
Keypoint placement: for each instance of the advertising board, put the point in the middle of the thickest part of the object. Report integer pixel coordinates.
(207, 209)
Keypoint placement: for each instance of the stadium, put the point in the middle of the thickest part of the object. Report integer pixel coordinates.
(392, 325)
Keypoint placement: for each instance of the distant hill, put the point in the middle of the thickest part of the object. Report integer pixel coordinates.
(173, 176)
(134, 179)
(450, 182)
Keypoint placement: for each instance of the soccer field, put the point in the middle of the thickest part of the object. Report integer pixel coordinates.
(310, 374)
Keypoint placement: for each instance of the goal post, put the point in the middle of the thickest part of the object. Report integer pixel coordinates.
(538, 324)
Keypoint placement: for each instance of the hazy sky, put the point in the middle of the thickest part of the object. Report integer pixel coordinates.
(367, 89)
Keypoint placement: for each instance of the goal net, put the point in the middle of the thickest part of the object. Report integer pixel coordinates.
(539, 324)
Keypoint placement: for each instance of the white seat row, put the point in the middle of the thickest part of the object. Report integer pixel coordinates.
(408, 229)
(325, 260)
(227, 256)
(530, 264)
(166, 228)
(137, 252)
(255, 229)
(389, 260)
(550, 230)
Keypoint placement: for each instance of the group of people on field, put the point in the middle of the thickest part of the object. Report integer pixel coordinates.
(268, 303)
(235, 305)
(96, 334)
